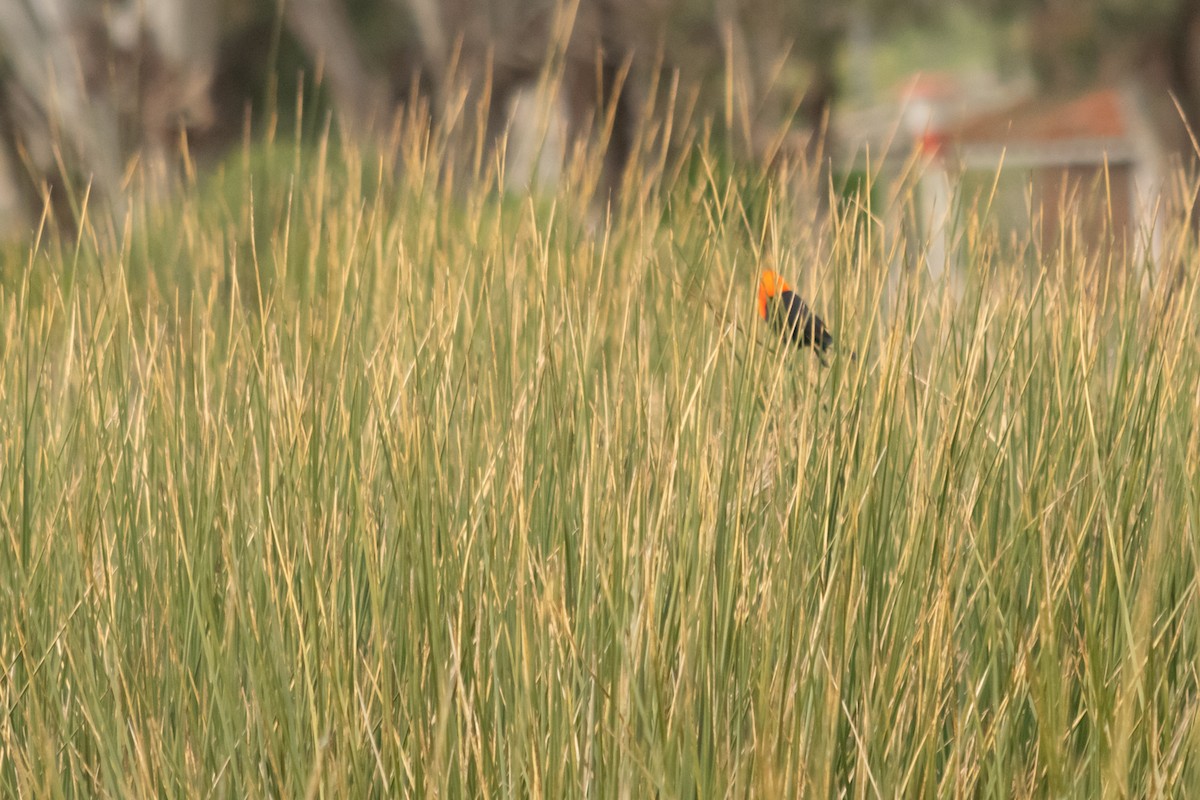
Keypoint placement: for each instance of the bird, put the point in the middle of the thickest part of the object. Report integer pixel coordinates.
(790, 315)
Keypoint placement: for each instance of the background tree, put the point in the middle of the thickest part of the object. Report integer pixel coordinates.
(112, 81)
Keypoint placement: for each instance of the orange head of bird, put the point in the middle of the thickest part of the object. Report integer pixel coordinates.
(771, 285)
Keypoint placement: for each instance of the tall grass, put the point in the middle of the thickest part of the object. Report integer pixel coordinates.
(347, 476)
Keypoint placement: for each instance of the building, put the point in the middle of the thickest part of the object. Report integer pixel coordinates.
(1086, 169)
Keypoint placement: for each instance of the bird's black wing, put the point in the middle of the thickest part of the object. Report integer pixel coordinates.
(801, 325)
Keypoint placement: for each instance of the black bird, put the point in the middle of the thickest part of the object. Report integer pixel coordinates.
(791, 316)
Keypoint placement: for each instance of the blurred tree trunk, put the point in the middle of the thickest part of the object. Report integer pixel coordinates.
(760, 37)
(324, 31)
(432, 34)
(818, 99)
(111, 81)
(1183, 67)
(1178, 116)
(745, 75)
(15, 199)
(39, 44)
(491, 50)
(105, 83)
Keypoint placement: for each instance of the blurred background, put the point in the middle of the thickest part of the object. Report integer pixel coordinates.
(98, 94)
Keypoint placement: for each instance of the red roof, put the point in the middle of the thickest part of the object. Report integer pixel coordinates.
(1096, 115)
(931, 86)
